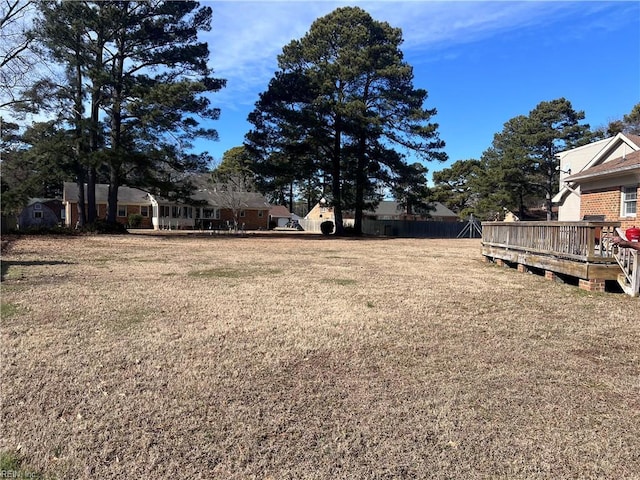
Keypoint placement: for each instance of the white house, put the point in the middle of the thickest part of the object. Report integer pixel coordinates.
(579, 160)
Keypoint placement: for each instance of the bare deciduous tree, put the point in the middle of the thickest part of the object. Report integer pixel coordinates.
(17, 59)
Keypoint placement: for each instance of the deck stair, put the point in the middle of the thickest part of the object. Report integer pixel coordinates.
(629, 261)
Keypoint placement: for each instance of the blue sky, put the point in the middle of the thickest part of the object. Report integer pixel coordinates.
(482, 63)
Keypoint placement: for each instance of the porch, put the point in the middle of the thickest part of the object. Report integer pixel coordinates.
(580, 250)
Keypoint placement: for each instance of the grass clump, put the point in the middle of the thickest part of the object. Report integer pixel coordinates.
(8, 310)
(340, 281)
(233, 272)
(11, 466)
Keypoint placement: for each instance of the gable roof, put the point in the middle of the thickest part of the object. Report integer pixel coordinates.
(279, 211)
(628, 163)
(126, 195)
(631, 141)
(634, 138)
(133, 196)
(609, 145)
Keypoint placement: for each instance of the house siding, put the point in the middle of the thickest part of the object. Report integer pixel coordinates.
(72, 214)
(606, 201)
(164, 214)
(251, 219)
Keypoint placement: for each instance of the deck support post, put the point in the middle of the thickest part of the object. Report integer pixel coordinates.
(522, 268)
(552, 276)
(592, 285)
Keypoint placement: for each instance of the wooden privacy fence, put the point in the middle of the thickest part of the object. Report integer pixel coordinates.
(401, 228)
(413, 228)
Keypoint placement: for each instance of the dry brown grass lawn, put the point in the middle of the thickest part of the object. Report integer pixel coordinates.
(309, 358)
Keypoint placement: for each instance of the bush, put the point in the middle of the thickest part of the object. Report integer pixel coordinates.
(102, 226)
(135, 220)
(326, 227)
(39, 230)
(349, 231)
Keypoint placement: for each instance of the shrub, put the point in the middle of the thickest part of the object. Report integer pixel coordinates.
(135, 220)
(326, 227)
(40, 230)
(349, 231)
(102, 226)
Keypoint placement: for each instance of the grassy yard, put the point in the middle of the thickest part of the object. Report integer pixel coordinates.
(308, 358)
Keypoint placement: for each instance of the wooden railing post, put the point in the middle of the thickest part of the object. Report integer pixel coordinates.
(635, 274)
(591, 241)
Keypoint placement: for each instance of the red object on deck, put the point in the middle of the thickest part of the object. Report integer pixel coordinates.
(632, 234)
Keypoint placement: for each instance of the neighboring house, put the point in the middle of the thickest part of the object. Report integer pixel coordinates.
(219, 204)
(130, 201)
(41, 212)
(391, 210)
(212, 208)
(610, 189)
(279, 216)
(386, 210)
(590, 172)
(322, 211)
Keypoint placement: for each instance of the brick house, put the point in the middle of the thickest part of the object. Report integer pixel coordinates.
(209, 210)
(611, 189)
(606, 186)
(130, 201)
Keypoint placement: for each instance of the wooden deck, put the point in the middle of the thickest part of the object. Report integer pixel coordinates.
(576, 249)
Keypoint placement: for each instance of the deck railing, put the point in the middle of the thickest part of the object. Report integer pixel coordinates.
(583, 241)
(629, 261)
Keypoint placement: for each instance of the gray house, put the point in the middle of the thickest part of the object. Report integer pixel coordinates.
(41, 212)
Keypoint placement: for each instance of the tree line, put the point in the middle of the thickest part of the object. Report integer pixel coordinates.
(128, 89)
(519, 171)
(125, 91)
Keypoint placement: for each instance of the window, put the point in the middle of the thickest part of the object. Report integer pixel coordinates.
(242, 213)
(37, 214)
(122, 210)
(260, 213)
(629, 201)
(175, 212)
(144, 210)
(37, 206)
(164, 211)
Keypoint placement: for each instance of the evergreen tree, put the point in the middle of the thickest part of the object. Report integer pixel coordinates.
(553, 127)
(347, 94)
(453, 186)
(519, 169)
(145, 76)
(18, 60)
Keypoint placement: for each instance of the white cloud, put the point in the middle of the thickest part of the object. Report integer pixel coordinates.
(247, 37)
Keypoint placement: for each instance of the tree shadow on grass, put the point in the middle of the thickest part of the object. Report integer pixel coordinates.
(11, 263)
